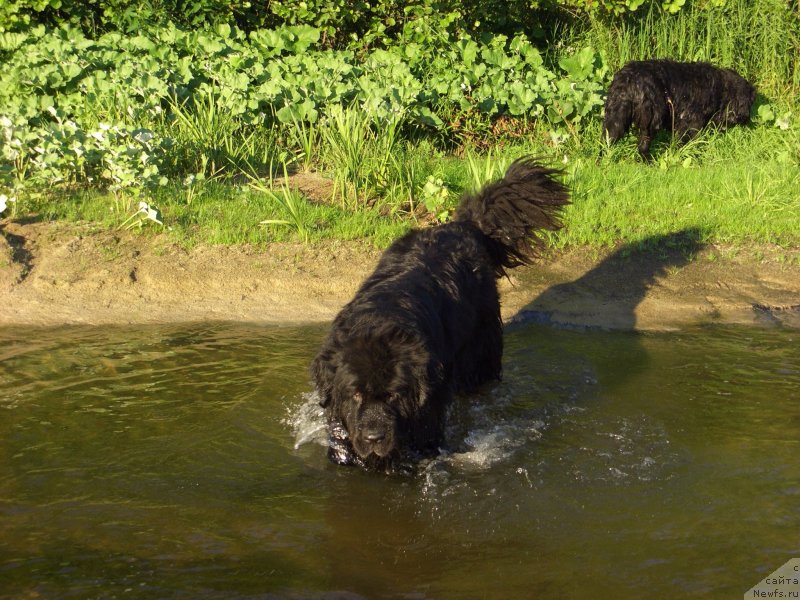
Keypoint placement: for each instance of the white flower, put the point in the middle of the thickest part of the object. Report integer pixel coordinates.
(3, 203)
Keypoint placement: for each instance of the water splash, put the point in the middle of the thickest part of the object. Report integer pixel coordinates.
(478, 439)
(491, 444)
(307, 421)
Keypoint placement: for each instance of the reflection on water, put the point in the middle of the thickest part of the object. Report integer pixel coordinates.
(190, 462)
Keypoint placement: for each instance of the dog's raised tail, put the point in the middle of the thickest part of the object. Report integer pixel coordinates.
(513, 211)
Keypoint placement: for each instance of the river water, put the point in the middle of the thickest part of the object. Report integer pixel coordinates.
(189, 462)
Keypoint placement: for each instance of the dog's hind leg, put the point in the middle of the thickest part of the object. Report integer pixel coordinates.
(687, 135)
(686, 131)
(480, 359)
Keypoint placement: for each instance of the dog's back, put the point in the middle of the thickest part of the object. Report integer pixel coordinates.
(676, 96)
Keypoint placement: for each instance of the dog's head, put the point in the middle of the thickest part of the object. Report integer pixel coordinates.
(376, 392)
(373, 425)
(741, 96)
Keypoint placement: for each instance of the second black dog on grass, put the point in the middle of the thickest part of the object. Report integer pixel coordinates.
(427, 323)
(679, 97)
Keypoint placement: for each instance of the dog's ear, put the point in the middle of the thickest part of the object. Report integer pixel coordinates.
(323, 371)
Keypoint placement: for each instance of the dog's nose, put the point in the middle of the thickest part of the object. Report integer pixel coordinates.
(374, 435)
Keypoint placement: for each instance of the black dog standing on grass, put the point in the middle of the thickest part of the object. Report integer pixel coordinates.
(427, 322)
(679, 97)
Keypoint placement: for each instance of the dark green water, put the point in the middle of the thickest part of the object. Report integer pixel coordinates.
(185, 462)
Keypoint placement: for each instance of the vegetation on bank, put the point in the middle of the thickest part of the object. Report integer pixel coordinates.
(192, 130)
(340, 20)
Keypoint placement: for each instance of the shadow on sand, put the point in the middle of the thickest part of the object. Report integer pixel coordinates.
(613, 288)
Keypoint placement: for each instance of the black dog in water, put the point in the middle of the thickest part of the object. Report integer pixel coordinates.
(680, 97)
(427, 322)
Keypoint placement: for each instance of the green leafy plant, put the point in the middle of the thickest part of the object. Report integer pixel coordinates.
(305, 137)
(358, 145)
(345, 134)
(210, 131)
(434, 197)
(143, 214)
(4, 203)
(128, 113)
(290, 202)
(768, 114)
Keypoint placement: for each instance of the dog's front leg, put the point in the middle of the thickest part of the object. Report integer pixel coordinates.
(644, 147)
(340, 450)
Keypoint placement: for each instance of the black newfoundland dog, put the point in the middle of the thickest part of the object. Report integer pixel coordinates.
(427, 323)
(679, 97)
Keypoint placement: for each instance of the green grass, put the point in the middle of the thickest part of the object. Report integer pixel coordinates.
(358, 148)
(738, 186)
(208, 138)
(631, 203)
(230, 214)
(734, 187)
(758, 38)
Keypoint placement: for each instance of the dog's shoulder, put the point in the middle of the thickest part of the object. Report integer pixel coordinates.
(641, 77)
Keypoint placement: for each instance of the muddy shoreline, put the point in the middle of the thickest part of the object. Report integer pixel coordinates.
(66, 274)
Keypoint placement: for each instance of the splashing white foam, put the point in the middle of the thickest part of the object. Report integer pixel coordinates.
(307, 421)
(485, 444)
(495, 444)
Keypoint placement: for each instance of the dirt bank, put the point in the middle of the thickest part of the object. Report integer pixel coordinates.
(53, 274)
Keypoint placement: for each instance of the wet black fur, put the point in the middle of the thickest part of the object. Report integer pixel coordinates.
(427, 323)
(678, 97)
